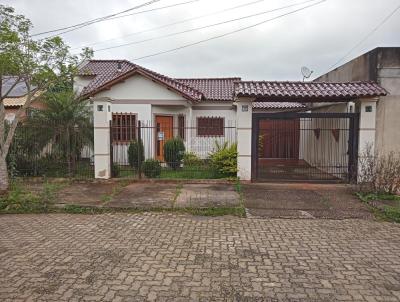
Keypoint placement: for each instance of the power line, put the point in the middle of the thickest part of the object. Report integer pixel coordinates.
(172, 24)
(228, 33)
(89, 22)
(203, 27)
(153, 9)
(366, 37)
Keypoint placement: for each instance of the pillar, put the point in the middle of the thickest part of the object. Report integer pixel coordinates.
(101, 120)
(244, 132)
(367, 128)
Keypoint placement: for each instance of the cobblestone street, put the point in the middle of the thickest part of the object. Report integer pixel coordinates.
(170, 257)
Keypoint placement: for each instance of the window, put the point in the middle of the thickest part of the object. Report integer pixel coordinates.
(123, 127)
(181, 126)
(210, 126)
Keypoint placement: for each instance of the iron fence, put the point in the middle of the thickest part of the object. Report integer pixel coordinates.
(170, 148)
(51, 150)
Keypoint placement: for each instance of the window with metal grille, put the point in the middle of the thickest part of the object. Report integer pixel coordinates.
(123, 127)
(210, 126)
(181, 126)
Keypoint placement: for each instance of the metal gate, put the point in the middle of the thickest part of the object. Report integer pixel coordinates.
(293, 146)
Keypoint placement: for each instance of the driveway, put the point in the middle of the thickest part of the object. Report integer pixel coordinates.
(303, 200)
(168, 257)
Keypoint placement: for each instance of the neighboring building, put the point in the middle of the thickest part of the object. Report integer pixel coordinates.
(284, 130)
(380, 65)
(16, 97)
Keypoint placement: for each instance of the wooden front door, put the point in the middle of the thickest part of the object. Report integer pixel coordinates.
(164, 131)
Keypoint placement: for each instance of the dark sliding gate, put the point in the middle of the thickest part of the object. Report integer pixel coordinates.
(294, 146)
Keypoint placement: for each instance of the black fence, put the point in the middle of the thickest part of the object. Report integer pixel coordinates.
(169, 148)
(51, 151)
(305, 147)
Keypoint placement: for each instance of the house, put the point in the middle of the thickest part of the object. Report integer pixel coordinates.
(380, 65)
(16, 98)
(284, 130)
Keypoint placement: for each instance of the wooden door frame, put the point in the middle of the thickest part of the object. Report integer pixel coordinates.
(155, 129)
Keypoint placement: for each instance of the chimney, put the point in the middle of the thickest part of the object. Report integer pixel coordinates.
(119, 68)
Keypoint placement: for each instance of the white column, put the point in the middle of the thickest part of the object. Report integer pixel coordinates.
(101, 120)
(367, 127)
(367, 110)
(244, 124)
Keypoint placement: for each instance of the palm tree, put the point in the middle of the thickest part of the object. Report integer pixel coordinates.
(64, 126)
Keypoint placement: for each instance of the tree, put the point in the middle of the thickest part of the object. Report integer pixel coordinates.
(64, 123)
(40, 65)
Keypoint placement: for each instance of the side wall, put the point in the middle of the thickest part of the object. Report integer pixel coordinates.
(381, 65)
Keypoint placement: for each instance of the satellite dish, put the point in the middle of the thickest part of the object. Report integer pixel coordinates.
(306, 72)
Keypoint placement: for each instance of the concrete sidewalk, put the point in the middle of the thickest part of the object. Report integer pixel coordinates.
(303, 200)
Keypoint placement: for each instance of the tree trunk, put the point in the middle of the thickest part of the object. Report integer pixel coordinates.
(3, 176)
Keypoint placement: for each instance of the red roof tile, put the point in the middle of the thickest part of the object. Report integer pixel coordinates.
(107, 74)
(213, 89)
(310, 91)
(278, 105)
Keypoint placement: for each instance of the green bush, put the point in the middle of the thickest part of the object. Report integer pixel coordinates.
(116, 170)
(174, 149)
(224, 159)
(151, 168)
(135, 153)
(192, 160)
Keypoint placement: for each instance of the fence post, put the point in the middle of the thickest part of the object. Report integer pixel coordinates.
(140, 150)
(102, 137)
(111, 150)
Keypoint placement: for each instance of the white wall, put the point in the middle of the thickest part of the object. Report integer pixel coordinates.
(203, 146)
(139, 87)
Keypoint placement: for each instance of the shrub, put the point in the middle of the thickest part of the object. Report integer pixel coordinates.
(151, 168)
(174, 149)
(379, 174)
(224, 159)
(116, 170)
(135, 153)
(192, 160)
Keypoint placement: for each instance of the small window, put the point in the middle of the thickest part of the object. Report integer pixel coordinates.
(123, 127)
(181, 126)
(210, 126)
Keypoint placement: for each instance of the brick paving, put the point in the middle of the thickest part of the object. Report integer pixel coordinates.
(169, 257)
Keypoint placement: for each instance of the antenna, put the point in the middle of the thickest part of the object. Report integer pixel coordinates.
(306, 72)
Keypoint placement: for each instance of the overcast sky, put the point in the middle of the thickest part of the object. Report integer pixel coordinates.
(315, 37)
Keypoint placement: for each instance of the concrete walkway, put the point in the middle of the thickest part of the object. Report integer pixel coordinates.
(147, 195)
(302, 200)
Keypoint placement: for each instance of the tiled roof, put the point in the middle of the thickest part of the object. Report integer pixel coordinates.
(213, 89)
(18, 90)
(278, 105)
(106, 74)
(264, 90)
(18, 101)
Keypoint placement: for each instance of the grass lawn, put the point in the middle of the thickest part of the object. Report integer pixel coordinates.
(387, 205)
(201, 172)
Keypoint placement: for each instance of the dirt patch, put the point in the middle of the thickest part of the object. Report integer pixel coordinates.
(295, 200)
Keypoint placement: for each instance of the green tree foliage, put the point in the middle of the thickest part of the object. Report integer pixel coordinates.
(42, 65)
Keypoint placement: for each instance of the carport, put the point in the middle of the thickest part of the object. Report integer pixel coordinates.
(320, 141)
